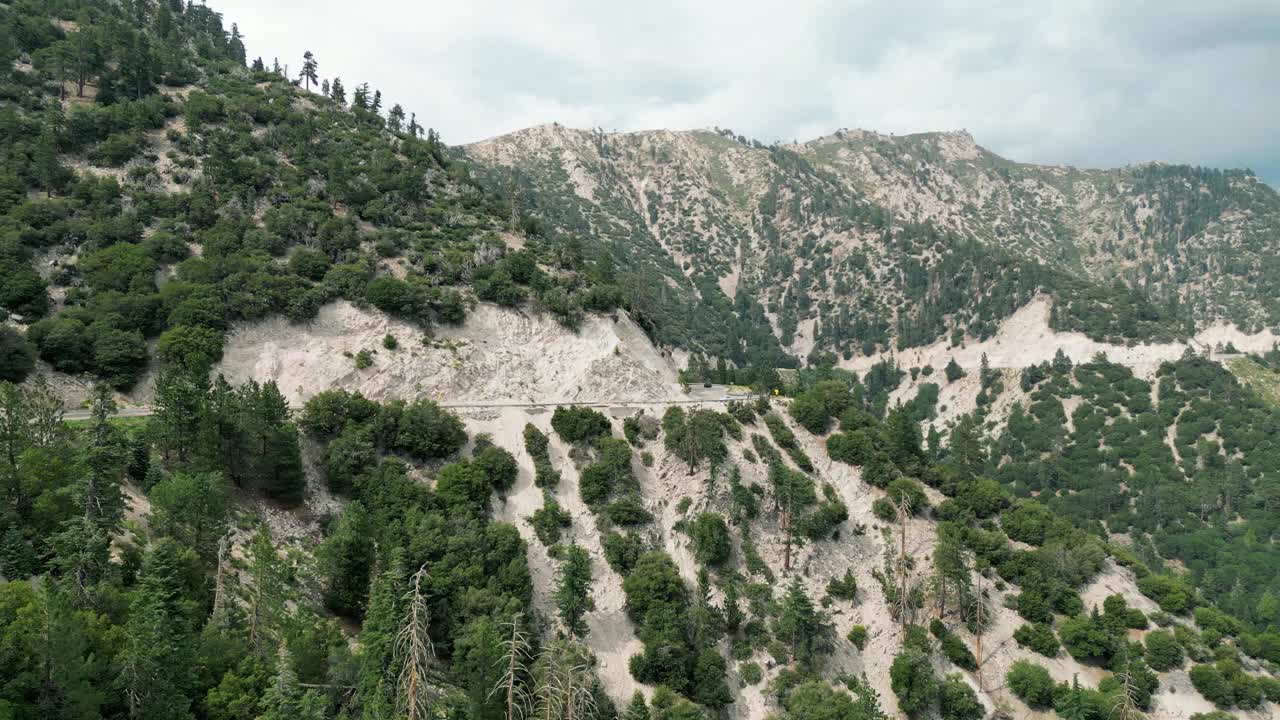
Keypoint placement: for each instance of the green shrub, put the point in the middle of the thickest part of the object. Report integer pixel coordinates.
(499, 465)
(786, 440)
(550, 520)
(427, 431)
(1088, 638)
(912, 679)
(855, 448)
(627, 511)
(1031, 684)
(622, 551)
(958, 701)
(1171, 593)
(844, 588)
(610, 472)
(117, 149)
(1039, 638)
(364, 359)
(389, 342)
(1213, 685)
(953, 646)
(858, 636)
(579, 425)
(710, 535)
(750, 673)
(902, 489)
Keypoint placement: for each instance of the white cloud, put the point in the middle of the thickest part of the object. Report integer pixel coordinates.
(1085, 82)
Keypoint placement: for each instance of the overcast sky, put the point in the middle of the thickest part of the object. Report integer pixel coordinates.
(1084, 82)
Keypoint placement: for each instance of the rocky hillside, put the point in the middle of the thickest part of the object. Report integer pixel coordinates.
(859, 242)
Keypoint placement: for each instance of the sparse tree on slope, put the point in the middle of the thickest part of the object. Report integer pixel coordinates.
(309, 68)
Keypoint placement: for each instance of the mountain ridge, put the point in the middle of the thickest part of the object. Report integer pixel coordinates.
(899, 217)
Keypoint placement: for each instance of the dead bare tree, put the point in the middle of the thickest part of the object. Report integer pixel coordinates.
(564, 683)
(515, 655)
(414, 652)
(1126, 706)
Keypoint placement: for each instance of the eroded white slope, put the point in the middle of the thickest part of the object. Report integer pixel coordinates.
(497, 355)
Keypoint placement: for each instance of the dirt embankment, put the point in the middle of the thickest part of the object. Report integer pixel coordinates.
(1025, 339)
(496, 355)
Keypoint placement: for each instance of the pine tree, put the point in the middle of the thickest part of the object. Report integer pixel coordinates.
(346, 561)
(415, 130)
(180, 403)
(573, 589)
(395, 118)
(87, 56)
(157, 653)
(49, 170)
(324, 87)
(309, 68)
(378, 633)
(360, 98)
(235, 46)
(102, 501)
(258, 65)
(966, 444)
(951, 571)
(266, 592)
(1072, 706)
(63, 654)
(801, 626)
(338, 92)
(376, 104)
(138, 66)
(272, 459)
(637, 709)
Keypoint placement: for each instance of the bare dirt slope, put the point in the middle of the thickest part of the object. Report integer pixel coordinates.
(1025, 339)
(497, 355)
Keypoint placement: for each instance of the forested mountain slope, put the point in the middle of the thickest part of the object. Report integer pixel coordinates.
(859, 242)
(154, 190)
(302, 530)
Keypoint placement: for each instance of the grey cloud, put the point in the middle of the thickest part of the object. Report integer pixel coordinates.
(1082, 82)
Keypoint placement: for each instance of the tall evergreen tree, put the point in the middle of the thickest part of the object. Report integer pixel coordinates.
(309, 70)
(573, 589)
(395, 118)
(180, 403)
(801, 626)
(235, 45)
(347, 560)
(338, 92)
(266, 602)
(154, 662)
